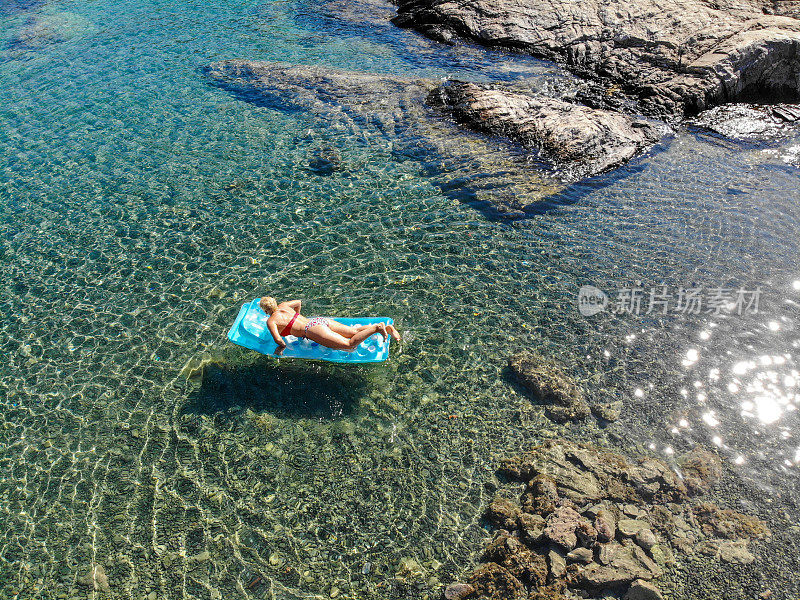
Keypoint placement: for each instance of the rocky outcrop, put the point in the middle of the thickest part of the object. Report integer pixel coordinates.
(750, 121)
(582, 141)
(677, 56)
(594, 520)
(395, 113)
(563, 398)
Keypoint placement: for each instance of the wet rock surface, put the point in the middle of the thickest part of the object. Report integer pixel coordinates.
(405, 115)
(392, 113)
(676, 57)
(580, 140)
(610, 523)
(757, 122)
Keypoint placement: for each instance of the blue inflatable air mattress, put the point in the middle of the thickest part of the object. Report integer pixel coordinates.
(250, 330)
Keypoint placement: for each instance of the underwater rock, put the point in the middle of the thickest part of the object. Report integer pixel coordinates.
(590, 520)
(96, 579)
(541, 497)
(41, 30)
(503, 513)
(701, 470)
(393, 114)
(675, 56)
(579, 140)
(510, 553)
(750, 121)
(493, 582)
(608, 411)
(643, 590)
(585, 474)
(325, 161)
(409, 569)
(458, 591)
(549, 384)
(728, 524)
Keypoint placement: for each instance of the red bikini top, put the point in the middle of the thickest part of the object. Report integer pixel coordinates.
(288, 329)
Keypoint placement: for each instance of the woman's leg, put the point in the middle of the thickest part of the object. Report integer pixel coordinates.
(325, 336)
(347, 331)
(393, 332)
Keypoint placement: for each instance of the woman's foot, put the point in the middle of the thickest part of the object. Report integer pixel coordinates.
(382, 330)
(393, 332)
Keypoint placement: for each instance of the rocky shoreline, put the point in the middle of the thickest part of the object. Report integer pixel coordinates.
(668, 62)
(414, 117)
(597, 523)
(675, 57)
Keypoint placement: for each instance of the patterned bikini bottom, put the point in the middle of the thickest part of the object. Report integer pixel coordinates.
(313, 322)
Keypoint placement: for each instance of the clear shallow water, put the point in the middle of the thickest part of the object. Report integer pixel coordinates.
(141, 206)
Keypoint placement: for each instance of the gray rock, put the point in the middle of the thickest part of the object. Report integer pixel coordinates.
(392, 112)
(608, 411)
(642, 590)
(676, 56)
(95, 579)
(735, 552)
(585, 474)
(557, 561)
(458, 591)
(630, 527)
(645, 538)
(581, 555)
(561, 525)
(581, 141)
(622, 568)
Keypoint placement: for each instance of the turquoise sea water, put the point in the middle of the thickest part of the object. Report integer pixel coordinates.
(140, 206)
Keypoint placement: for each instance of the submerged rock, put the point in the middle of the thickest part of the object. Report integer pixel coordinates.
(642, 590)
(609, 522)
(392, 114)
(95, 579)
(676, 56)
(701, 470)
(549, 384)
(582, 141)
(458, 591)
(493, 582)
(585, 474)
(325, 161)
(41, 30)
(750, 121)
(608, 411)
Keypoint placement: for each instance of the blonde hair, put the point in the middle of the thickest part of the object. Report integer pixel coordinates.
(268, 304)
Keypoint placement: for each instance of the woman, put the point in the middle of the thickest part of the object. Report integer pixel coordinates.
(286, 319)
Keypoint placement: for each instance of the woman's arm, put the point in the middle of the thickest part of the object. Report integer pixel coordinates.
(295, 304)
(273, 329)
